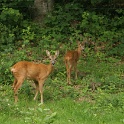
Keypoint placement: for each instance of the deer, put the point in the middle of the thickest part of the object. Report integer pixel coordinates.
(38, 72)
(71, 58)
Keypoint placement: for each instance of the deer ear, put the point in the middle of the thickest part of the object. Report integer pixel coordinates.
(57, 53)
(48, 53)
(78, 42)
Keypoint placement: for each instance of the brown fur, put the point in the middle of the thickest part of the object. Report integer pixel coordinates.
(71, 58)
(29, 70)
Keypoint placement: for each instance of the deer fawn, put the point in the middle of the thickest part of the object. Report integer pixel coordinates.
(29, 70)
(71, 58)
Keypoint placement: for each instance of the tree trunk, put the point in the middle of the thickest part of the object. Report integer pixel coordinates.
(42, 7)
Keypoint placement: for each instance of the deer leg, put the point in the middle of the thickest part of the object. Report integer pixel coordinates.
(14, 83)
(75, 70)
(17, 86)
(67, 71)
(69, 74)
(37, 89)
(41, 89)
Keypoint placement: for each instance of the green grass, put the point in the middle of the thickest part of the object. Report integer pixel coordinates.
(75, 104)
(65, 110)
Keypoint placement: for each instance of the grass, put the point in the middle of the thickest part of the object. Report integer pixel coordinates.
(65, 110)
(76, 104)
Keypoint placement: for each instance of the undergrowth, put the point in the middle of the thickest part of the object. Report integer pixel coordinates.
(78, 103)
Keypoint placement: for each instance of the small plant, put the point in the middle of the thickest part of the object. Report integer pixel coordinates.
(27, 36)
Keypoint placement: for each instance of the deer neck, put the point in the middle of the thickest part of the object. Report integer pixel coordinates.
(50, 68)
(79, 51)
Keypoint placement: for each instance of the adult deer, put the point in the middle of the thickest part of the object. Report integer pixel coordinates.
(71, 58)
(28, 70)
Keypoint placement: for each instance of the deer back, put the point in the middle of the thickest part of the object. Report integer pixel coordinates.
(72, 56)
(25, 69)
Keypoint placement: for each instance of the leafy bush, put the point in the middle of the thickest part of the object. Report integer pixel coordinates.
(11, 17)
(14, 28)
(10, 22)
(64, 21)
(6, 37)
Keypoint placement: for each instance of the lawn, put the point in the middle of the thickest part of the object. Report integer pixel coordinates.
(62, 111)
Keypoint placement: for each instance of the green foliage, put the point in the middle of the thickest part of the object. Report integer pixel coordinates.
(13, 29)
(21, 5)
(103, 29)
(100, 26)
(65, 24)
(10, 21)
(10, 17)
(6, 37)
(27, 36)
(5, 68)
(63, 21)
(25, 40)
